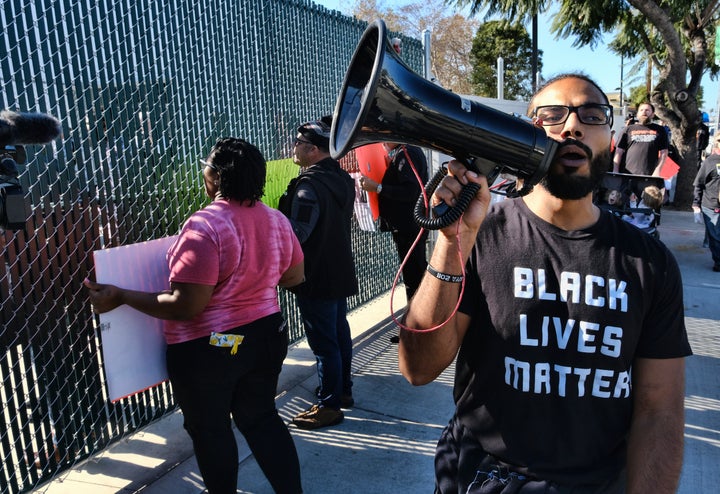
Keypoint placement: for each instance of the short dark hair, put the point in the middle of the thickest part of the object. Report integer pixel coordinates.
(568, 75)
(241, 167)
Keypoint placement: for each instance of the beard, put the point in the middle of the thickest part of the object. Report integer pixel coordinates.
(571, 186)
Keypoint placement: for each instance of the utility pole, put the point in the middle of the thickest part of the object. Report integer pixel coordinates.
(622, 77)
(535, 50)
(500, 78)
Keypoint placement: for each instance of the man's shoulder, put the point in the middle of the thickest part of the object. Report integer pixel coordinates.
(712, 158)
(503, 210)
(328, 177)
(658, 128)
(711, 161)
(322, 170)
(414, 149)
(326, 166)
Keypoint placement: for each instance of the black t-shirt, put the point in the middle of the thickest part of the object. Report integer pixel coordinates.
(543, 376)
(642, 144)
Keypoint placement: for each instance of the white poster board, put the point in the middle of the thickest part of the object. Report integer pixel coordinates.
(133, 344)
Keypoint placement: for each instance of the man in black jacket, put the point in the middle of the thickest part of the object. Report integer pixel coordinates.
(397, 195)
(319, 204)
(706, 201)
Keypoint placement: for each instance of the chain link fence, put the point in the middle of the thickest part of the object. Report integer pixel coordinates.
(142, 88)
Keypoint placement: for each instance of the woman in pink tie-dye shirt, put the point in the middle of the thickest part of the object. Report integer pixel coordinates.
(226, 336)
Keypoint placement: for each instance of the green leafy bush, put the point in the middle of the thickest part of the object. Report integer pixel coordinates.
(279, 174)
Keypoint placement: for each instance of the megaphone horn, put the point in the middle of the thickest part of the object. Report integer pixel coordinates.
(383, 100)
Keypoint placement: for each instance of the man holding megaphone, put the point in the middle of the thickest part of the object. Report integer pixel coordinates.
(570, 337)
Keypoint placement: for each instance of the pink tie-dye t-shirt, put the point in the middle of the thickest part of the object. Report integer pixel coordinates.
(242, 251)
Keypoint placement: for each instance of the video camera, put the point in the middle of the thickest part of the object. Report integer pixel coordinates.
(17, 130)
(14, 206)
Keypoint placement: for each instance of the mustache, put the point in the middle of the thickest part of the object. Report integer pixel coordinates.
(572, 142)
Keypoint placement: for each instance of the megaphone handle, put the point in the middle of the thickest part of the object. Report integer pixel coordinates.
(444, 215)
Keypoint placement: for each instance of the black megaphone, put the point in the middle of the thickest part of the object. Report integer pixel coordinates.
(383, 100)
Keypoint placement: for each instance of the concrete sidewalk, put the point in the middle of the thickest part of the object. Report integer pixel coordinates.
(701, 287)
(386, 443)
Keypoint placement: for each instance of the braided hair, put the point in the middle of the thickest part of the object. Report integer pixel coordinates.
(241, 167)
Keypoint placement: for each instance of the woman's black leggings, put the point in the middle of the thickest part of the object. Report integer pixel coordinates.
(211, 385)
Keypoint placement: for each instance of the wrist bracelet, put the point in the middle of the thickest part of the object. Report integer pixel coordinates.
(450, 278)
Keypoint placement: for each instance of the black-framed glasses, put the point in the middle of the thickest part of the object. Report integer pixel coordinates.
(589, 114)
(301, 141)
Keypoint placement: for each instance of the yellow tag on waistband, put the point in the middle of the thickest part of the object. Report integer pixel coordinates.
(225, 340)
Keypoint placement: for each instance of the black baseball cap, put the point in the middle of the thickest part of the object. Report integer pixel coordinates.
(317, 132)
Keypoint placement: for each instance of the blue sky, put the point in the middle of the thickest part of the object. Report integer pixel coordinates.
(560, 56)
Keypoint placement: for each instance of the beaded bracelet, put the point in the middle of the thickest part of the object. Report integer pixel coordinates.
(451, 278)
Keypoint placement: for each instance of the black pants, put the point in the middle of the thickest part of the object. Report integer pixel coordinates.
(461, 466)
(414, 268)
(211, 385)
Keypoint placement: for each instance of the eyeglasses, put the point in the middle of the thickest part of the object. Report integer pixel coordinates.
(300, 141)
(589, 114)
(205, 163)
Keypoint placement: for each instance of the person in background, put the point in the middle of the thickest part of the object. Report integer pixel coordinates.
(673, 155)
(570, 329)
(226, 336)
(643, 145)
(702, 137)
(319, 204)
(706, 201)
(397, 195)
(397, 45)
